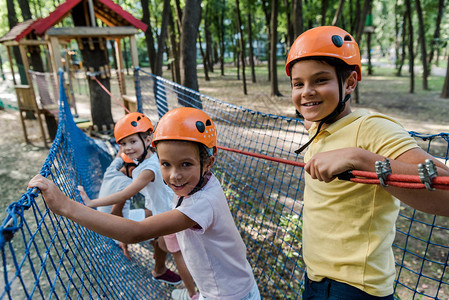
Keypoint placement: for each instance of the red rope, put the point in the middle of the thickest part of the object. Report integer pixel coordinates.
(397, 180)
(107, 92)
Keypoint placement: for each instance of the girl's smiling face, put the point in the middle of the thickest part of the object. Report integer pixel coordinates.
(133, 147)
(180, 165)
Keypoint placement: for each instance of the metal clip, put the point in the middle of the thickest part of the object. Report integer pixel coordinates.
(427, 172)
(383, 169)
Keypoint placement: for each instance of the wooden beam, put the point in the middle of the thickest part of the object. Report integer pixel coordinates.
(83, 31)
(25, 43)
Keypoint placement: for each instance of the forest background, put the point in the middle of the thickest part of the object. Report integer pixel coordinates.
(239, 48)
(410, 34)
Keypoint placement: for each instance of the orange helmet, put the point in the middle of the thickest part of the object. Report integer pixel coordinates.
(326, 41)
(131, 123)
(186, 124)
(126, 159)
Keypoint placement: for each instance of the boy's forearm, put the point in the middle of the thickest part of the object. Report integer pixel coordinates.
(432, 202)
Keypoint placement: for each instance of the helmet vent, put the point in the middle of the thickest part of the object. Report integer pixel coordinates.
(134, 124)
(208, 122)
(348, 38)
(200, 126)
(337, 40)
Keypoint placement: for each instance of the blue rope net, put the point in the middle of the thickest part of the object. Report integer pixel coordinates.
(44, 255)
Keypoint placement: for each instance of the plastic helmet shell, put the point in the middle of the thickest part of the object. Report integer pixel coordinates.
(186, 124)
(131, 123)
(326, 41)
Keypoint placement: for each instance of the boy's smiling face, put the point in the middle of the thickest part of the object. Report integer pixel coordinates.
(315, 91)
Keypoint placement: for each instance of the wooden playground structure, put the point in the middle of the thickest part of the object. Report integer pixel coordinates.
(41, 35)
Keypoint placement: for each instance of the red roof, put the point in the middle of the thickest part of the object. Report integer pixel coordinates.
(19, 31)
(106, 10)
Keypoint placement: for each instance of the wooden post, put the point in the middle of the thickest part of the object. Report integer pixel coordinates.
(118, 53)
(8, 48)
(31, 93)
(55, 54)
(133, 50)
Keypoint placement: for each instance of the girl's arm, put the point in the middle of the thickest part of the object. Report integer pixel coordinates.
(132, 189)
(124, 230)
(326, 166)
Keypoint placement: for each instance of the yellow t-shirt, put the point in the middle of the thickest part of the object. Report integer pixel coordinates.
(349, 227)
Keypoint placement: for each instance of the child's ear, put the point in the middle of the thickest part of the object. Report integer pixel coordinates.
(210, 163)
(148, 139)
(351, 82)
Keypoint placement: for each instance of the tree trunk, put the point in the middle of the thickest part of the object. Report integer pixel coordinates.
(178, 15)
(203, 55)
(208, 40)
(404, 43)
(12, 20)
(422, 34)
(411, 55)
(436, 35)
(324, 4)
(190, 22)
(94, 57)
(266, 7)
(396, 34)
(251, 49)
(273, 52)
(338, 13)
(149, 39)
(161, 38)
(445, 91)
(361, 25)
(221, 33)
(2, 72)
(368, 46)
(298, 19)
(290, 35)
(175, 68)
(242, 45)
(34, 51)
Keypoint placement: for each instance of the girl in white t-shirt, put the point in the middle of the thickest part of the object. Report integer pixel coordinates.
(133, 133)
(186, 140)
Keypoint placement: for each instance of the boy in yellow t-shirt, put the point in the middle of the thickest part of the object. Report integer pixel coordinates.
(349, 228)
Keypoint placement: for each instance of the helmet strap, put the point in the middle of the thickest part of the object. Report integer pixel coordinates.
(145, 150)
(204, 178)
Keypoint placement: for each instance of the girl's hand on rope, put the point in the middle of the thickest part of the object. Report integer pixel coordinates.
(55, 199)
(84, 196)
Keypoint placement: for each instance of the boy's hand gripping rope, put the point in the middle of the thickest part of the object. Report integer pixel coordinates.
(381, 176)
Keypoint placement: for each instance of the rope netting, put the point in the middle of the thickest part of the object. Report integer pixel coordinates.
(45, 256)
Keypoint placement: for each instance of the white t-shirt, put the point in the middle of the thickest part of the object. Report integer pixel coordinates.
(114, 181)
(215, 254)
(158, 196)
